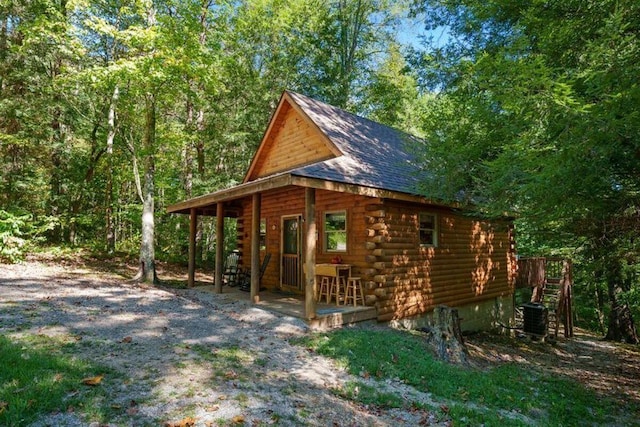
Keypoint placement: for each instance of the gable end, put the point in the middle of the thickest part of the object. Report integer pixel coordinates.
(292, 140)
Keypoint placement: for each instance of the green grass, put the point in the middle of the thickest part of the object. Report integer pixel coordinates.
(227, 363)
(493, 397)
(39, 376)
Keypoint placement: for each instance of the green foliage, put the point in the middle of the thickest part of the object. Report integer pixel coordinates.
(19, 233)
(76, 75)
(11, 236)
(483, 396)
(39, 377)
(537, 115)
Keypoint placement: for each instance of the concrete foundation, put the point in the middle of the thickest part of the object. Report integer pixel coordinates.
(481, 316)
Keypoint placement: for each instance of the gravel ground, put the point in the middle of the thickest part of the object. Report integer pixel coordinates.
(187, 352)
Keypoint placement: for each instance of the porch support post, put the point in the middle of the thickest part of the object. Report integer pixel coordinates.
(309, 248)
(193, 220)
(219, 247)
(255, 247)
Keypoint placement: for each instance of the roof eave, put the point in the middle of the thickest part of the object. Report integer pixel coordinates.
(227, 194)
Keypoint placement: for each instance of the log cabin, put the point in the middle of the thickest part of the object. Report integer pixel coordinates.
(329, 187)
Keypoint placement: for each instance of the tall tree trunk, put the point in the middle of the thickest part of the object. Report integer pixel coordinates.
(55, 182)
(187, 152)
(111, 133)
(147, 268)
(620, 326)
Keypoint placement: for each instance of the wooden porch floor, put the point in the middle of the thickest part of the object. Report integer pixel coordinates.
(290, 304)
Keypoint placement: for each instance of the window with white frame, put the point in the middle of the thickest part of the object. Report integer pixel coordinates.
(428, 229)
(335, 231)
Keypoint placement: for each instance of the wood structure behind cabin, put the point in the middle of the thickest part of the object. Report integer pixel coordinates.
(324, 184)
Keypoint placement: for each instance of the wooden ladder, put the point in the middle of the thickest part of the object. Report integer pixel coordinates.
(550, 297)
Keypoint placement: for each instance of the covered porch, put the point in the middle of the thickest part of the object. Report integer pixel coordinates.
(246, 201)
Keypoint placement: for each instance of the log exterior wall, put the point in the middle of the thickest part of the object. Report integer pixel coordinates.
(290, 201)
(472, 262)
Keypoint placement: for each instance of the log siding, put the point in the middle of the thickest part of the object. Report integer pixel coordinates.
(472, 261)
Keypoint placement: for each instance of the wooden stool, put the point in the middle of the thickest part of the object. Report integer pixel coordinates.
(354, 291)
(338, 288)
(325, 288)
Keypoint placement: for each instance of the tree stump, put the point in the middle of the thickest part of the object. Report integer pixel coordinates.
(445, 336)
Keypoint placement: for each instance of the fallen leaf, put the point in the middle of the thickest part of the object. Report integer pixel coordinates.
(213, 408)
(93, 381)
(3, 407)
(222, 397)
(126, 340)
(238, 419)
(444, 409)
(185, 422)
(230, 375)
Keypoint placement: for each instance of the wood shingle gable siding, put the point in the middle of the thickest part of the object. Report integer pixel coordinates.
(292, 140)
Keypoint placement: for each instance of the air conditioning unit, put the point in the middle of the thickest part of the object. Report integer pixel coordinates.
(535, 318)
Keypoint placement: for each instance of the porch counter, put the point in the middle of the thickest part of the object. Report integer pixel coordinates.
(333, 270)
(334, 281)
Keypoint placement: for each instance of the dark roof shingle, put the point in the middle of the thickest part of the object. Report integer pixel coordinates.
(374, 155)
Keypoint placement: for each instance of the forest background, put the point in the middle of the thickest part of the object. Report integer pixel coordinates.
(112, 109)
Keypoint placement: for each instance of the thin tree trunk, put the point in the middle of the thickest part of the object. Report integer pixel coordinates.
(187, 152)
(111, 133)
(147, 269)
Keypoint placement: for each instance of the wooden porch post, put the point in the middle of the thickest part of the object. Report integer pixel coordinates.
(219, 247)
(309, 243)
(193, 220)
(255, 247)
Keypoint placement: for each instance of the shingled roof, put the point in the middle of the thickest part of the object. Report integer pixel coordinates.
(365, 154)
(373, 155)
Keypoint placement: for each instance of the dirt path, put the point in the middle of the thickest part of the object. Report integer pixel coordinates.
(160, 339)
(185, 351)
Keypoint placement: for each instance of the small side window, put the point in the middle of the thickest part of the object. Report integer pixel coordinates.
(428, 229)
(335, 231)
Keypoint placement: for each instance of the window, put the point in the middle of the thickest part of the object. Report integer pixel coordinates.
(428, 228)
(263, 234)
(335, 231)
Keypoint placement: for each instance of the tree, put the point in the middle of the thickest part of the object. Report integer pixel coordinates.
(538, 114)
(392, 96)
(351, 39)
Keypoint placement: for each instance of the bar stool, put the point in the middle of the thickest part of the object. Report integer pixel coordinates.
(354, 291)
(325, 288)
(338, 288)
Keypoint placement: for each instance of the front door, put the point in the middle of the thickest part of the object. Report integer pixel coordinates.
(290, 276)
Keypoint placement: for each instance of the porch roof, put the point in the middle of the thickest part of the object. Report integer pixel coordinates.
(206, 204)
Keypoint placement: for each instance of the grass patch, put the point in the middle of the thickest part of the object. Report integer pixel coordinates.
(368, 395)
(481, 396)
(38, 377)
(229, 363)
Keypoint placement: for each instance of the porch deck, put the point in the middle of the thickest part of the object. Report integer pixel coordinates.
(290, 304)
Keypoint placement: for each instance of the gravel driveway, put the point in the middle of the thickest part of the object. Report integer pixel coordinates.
(184, 352)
